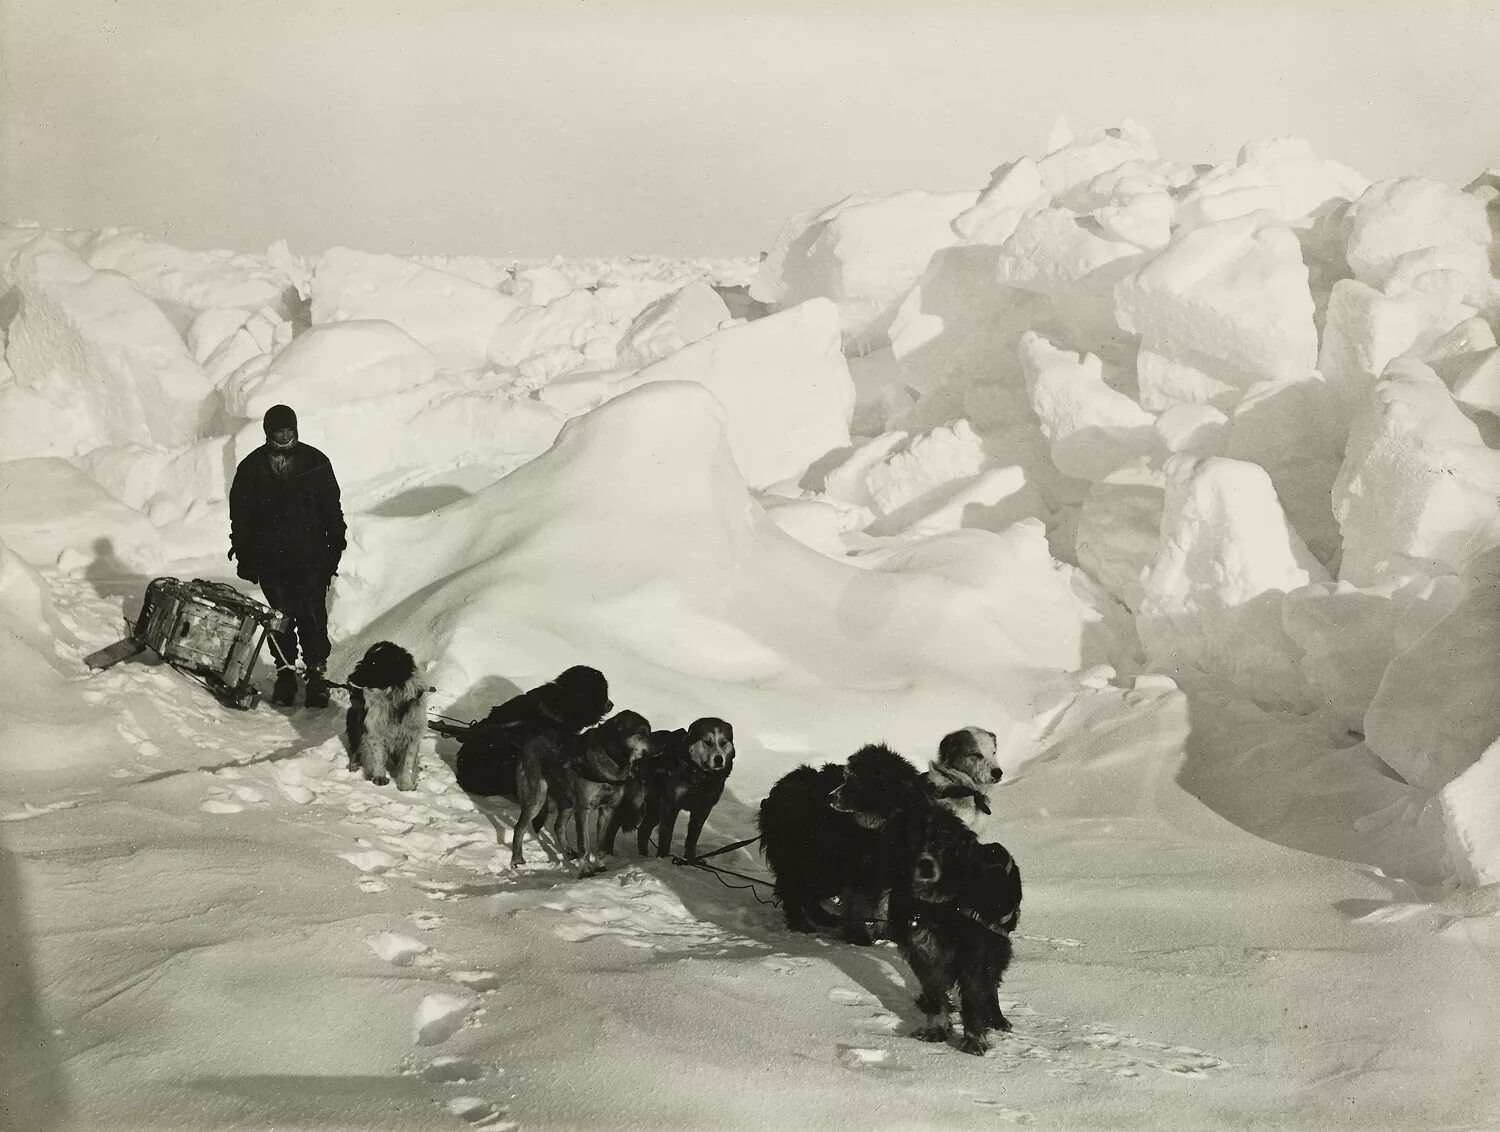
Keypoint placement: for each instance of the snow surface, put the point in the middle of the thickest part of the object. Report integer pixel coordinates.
(1182, 479)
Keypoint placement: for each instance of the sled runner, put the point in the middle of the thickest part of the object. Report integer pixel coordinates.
(208, 630)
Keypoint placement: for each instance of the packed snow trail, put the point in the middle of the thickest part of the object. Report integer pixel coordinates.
(231, 930)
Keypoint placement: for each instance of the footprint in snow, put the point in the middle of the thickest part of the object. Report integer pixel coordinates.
(1001, 1111)
(397, 950)
(232, 800)
(844, 996)
(867, 1058)
(882, 1023)
(372, 860)
(1072, 1051)
(446, 1069)
(294, 784)
(441, 890)
(426, 921)
(639, 911)
(441, 1015)
(476, 980)
(785, 964)
(480, 1113)
(372, 885)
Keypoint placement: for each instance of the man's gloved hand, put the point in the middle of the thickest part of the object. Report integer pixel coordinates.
(248, 571)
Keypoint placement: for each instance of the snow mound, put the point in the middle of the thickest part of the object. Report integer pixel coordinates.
(1471, 812)
(939, 480)
(1290, 428)
(331, 365)
(1475, 379)
(783, 381)
(1349, 635)
(52, 514)
(1401, 229)
(1212, 603)
(450, 315)
(194, 280)
(566, 325)
(959, 324)
(718, 600)
(1118, 538)
(1094, 431)
(378, 444)
(1417, 481)
(101, 356)
(1438, 706)
(1282, 176)
(1067, 259)
(671, 322)
(1366, 329)
(1224, 307)
(863, 253)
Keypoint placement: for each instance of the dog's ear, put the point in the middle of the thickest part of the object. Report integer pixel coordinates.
(954, 746)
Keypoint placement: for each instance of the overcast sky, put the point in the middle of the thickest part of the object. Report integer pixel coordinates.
(533, 127)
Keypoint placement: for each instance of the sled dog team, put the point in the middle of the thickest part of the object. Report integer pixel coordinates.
(874, 832)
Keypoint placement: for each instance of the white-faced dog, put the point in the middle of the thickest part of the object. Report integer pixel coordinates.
(387, 715)
(963, 772)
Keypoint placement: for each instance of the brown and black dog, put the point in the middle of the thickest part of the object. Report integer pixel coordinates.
(689, 774)
(579, 776)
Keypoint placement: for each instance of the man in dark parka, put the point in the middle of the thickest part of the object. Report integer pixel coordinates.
(286, 529)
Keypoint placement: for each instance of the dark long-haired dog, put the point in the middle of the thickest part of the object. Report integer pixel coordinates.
(817, 849)
(575, 700)
(953, 907)
(387, 715)
(687, 772)
(581, 777)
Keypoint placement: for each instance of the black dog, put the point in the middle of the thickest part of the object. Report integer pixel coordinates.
(486, 763)
(819, 845)
(688, 773)
(953, 907)
(387, 715)
(630, 813)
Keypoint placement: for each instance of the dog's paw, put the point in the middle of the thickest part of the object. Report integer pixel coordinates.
(1002, 1023)
(406, 783)
(859, 937)
(970, 1043)
(930, 1033)
(381, 780)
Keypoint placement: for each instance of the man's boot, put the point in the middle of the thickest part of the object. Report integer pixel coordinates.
(285, 692)
(317, 688)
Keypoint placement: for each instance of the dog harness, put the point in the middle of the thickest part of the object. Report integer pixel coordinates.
(947, 783)
(1004, 926)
